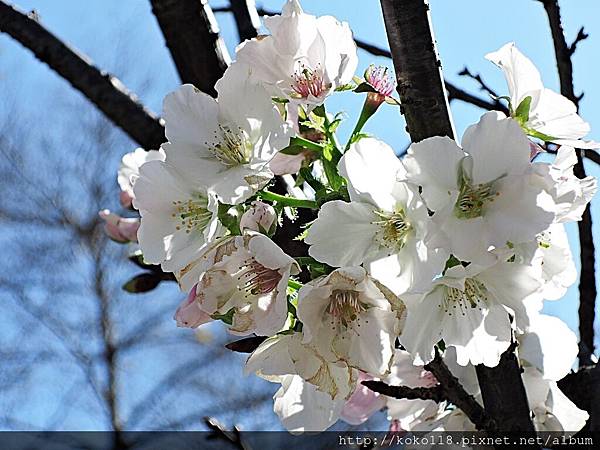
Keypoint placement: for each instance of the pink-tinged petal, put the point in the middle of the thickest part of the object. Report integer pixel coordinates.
(260, 216)
(118, 228)
(363, 402)
(283, 164)
(125, 199)
(189, 314)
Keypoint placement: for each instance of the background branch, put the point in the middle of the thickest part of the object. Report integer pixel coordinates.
(192, 36)
(246, 18)
(587, 280)
(101, 88)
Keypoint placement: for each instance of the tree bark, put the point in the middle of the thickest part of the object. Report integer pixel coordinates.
(418, 69)
(425, 105)
(192, 36)
(246, 18)
(104, 90)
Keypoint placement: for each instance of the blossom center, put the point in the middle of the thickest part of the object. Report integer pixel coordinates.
(192, 214)
(472, 200)
(394, 229)
(344, 306)
(379, 80)
(256, 279)
(230, 147)
(307, 82)
(473, 295)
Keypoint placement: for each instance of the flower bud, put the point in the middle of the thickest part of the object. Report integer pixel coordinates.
(189, 314)
(260, 217)
(120, 229)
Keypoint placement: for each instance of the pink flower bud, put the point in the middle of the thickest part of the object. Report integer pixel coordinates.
(189, 314)
(363, 403)
(125, 199)
(118, 228)
(260, 217)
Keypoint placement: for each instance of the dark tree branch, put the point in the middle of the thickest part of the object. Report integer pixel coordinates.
(246, 18)
(582, 388)
(192, 36)
(435, 393)
(101, 88)
(581, 36)
(587, 280)
(423, 98)
(455, 393)
(418, 69)
(482, 84)
(504, 395)
(219, 431)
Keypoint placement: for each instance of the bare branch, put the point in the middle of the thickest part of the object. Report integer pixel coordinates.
(219, 431)
(101, 88)
(581, 36)
(504, 394)
(435, 393)
(192, 36)
(246, 18)
(482, 84)
(456, 394)
(587, 279)
(418, 69)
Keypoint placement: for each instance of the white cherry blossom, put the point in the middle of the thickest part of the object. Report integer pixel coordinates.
(304, 58)
(225, 144)
(469, 309)
(178, 217)
(382, 226)
(244, 281)
(129, 171)
(347, 317)
(550, 114)
(483, 195)
(571, 194)
(313, 391)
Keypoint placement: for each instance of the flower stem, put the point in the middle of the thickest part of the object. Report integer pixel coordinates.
(372, 103)
(294, 284)
(288, 201)
(300, 141)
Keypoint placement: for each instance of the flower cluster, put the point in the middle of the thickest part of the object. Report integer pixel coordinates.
(451, 249)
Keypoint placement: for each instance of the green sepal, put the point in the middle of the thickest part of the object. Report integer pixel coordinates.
(521, 114)
(226, 318)
(229, 216)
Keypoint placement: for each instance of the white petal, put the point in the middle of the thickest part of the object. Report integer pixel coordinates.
(520, 73)
(498, 147)
(338, 224)
(371, 167)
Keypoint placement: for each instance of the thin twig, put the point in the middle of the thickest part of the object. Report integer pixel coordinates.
(435, 393)
(482, 84)
(102, 89)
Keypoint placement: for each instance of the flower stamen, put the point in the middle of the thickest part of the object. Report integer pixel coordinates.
(230, 148)
(473, 295)
(308, 82)
(193, 214)
(394, 229)
(256, 279)
(344, 307)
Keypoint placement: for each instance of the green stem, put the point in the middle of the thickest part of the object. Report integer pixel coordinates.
(288, 201)
(294, 284)
(300, 141)
(372, 103)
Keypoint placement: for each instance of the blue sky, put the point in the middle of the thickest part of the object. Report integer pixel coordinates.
(122, 37)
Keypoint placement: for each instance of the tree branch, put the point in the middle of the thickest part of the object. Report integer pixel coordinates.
(246, 18)
(101, 88)
(504, 395)
(192, 36)
(423, 97)
(435, 393)
(587, 279)
(456, 394)
(482, 84)
(418, 69)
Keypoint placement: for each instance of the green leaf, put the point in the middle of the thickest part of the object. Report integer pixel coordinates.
(345, 87)
(226, 318)
(364, 87)
(229, 215)
(292, 150)
(536, 134)
(143, 282)
(521, 114)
